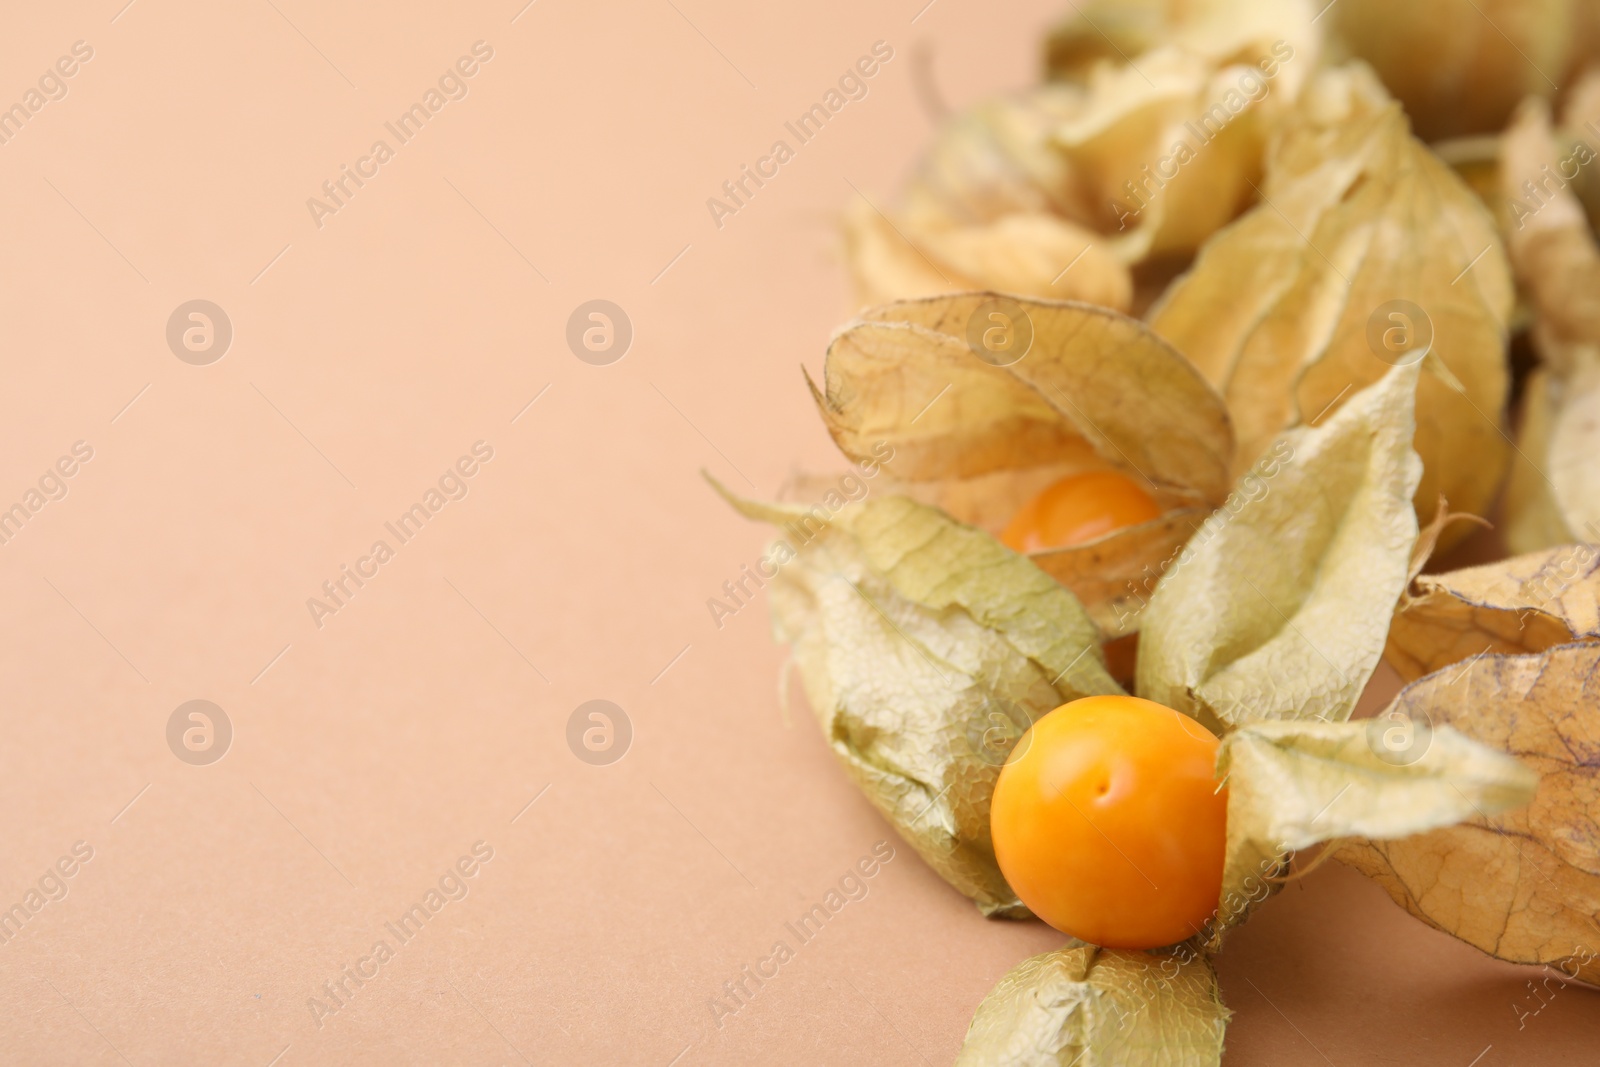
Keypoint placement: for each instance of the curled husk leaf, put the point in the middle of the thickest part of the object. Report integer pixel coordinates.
(1460, 66)
(1525, 604)
(1094, 1007)
(1096, 32)
(995, 160)
(1095, 390)
(1522, 885)
(992, 206)
(1278, 610)
(1169, 145)
(1294, 784)
(1028, 254)
(1554, 495)
(1179, 99)
(1050, 193)
(926, 649)
(1109, 573)
(1279, 307)
(1548, 239)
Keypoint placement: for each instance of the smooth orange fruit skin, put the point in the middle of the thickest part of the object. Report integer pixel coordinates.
(1108, 823)
(1077, 509)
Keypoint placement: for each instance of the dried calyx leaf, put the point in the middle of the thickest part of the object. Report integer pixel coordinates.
(992, 206)
(1548, 238)
(1102, 572)
(1278, 610)
(1057, 191)
(1022, 253)
(1096, 1007)
(1357, 257)
(1522, 885)
(1178, 101)
(1101, 32)
(1579, 131)
(1460, 66)
(1109, 31)
(996, 160)
(1533, 518)
(927, 649)
(1171, 146)
(1091, 390)
(1105, 379)
(1574, 443)
(1292, 785)
(1554, 494)
(1525, 604)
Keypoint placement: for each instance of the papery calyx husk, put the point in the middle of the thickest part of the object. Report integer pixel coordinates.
(1050, 193)
(1278, 610)
(1293, 307)
(1029, 254)
(979, 436)
(992, 205)
(1098, 32)
(1528, 603)
(1578, 132)
(1522, 885)
(1460, 66)
(1554, 492)
(1294, 784)
(1099, 1008)
(926, 649)
(1170, 142)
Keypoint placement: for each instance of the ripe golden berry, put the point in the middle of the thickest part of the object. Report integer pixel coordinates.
(1109, 824)
(1079, 508)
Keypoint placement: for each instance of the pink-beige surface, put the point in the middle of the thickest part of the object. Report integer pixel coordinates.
(411, 736)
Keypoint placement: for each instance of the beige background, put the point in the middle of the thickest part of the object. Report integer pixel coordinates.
(368, 754)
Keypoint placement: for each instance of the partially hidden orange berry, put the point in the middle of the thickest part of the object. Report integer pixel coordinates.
(1109, 823)
(1079, 508)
